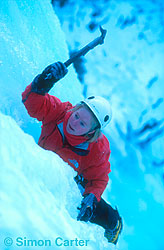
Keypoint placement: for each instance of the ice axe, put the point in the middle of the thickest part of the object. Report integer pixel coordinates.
(88, 47)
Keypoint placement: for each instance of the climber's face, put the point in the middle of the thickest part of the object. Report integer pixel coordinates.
(80, 122)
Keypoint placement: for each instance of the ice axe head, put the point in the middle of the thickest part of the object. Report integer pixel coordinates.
(103, 34)
(88, 47)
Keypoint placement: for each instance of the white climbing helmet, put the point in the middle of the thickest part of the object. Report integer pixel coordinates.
(101, 108)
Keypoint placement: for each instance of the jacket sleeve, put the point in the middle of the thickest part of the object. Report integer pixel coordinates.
(43, 107)
(97, 173)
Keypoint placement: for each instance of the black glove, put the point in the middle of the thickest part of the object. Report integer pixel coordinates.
(87, 208)
(42, 83)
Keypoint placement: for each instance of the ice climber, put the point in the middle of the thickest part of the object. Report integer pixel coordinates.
(74, 133)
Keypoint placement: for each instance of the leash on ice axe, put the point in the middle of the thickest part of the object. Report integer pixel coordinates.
(88, 47)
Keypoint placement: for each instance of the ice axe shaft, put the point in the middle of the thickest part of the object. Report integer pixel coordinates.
(88, 47)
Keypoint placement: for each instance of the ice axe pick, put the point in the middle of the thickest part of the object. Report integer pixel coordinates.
(88, 47)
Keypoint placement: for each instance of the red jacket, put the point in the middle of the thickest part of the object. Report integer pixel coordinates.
(89, 159)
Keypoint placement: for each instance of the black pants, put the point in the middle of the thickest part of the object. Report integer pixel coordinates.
(104, 215)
